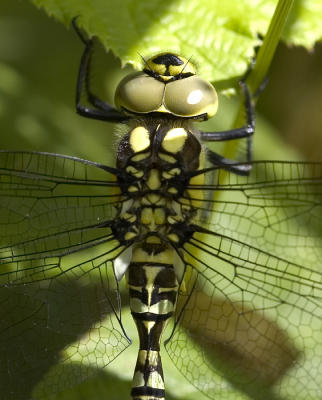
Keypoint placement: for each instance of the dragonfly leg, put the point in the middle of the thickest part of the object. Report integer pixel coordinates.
(228, 164)
(101, 110)
(245, 131)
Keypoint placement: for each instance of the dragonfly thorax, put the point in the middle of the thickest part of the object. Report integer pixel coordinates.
(160, 164)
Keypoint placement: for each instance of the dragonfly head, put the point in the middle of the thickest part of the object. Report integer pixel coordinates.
(167, 86)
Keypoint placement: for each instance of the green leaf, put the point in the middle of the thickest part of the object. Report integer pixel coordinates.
(304, 24)
(219, 36)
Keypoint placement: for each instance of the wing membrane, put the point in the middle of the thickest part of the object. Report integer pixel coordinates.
(45, 194)
(56, 272)
(249, 312)
(278, 208)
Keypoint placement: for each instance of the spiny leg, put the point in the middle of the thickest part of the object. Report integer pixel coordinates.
(102, 110)
(245, 131)
(228, 164)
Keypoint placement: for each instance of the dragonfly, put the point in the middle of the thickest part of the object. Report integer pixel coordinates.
(225, 253)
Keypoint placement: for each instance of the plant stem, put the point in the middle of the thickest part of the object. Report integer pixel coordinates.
(263, 61)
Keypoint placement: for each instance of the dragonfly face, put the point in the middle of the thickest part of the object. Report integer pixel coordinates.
(230, 252)
(167, 85)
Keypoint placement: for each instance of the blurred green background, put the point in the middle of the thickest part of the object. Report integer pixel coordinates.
(39, 60)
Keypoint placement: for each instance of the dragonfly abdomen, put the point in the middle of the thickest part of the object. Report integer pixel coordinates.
(153, 289)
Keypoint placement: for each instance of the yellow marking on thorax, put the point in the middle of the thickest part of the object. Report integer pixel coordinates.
(173, 237)
(159, 216)
(146, 216)
(170, 174)
(129, 217)
(133, 171)
(154, 199)
(173, 190)
(140, 157)
(139, 139)
(167, 158)
(155, 217)
(173, 219)
(153, 240)
(174, 140)
(153, 181)
(130, 235)
(166, 175)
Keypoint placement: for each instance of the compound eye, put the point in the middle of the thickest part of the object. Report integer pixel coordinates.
(139, 93)
(190, 97)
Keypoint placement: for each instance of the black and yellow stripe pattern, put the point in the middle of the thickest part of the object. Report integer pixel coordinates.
(161, 161)
(153, 293)
(167, 66)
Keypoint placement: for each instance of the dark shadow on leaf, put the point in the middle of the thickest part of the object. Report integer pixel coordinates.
(39, 321)
(246, 348)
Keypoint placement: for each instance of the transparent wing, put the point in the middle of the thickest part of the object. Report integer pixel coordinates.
(249, 313)
(60, 304)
